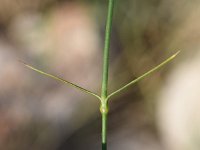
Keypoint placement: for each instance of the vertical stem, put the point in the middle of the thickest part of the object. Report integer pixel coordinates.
(104, 90)
(106, 49)
(104, 131)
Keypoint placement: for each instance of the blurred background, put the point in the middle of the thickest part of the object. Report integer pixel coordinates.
(65, 37)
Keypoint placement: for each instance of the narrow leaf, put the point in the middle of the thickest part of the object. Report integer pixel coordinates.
(144, 75)
(60, 79)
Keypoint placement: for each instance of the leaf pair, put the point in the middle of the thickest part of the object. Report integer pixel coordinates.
(94, 94)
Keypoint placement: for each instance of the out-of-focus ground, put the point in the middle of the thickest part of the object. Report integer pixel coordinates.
(66, 38)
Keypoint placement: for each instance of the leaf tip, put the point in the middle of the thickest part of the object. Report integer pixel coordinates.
(173, 56)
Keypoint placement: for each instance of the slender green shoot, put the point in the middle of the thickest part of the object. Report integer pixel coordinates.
(144, 75)
(106, 49)
(60, 79)
(104, 89)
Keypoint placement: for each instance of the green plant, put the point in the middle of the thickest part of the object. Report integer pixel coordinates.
(105, 97)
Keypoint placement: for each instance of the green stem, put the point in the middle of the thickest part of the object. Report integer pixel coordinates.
(106, 49)
(104, 131)
(104, 90)
(104, 114)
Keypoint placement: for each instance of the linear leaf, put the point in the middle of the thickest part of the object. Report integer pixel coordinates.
(60, 79)
(144, 75)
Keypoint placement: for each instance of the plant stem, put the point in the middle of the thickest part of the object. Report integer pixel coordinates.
(104, 131)
(106, 49)
(104, 90)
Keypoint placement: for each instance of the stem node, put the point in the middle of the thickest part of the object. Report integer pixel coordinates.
(104, 108)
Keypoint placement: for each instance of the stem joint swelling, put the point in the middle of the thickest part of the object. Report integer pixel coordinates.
(104, 107)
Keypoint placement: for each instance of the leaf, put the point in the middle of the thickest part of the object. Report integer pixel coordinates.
(60, 79)
(144, 75)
